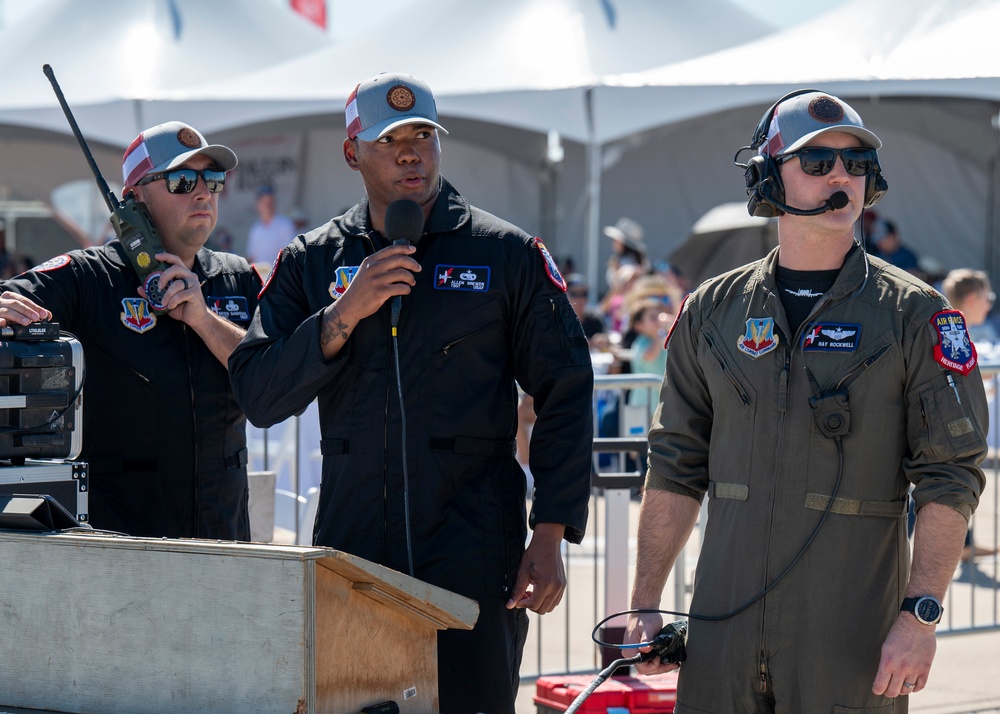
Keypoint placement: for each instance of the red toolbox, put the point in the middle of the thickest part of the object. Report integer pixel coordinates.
(634, 695)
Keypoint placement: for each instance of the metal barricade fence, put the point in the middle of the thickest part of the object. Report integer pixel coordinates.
(600, 570)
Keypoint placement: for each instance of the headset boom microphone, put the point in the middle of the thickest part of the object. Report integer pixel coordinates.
(834, 203)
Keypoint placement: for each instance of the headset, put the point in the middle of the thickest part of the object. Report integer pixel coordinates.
(765, 190)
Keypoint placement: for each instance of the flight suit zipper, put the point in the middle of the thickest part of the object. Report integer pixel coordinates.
(194, 423)
(728, 372)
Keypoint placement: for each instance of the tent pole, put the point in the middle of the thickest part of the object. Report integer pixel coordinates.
(591, 224)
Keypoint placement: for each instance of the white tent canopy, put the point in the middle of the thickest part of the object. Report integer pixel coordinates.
(924, 74)
(519, 63)
(111, 58)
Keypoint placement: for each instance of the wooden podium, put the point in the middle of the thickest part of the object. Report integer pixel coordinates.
(113, 625)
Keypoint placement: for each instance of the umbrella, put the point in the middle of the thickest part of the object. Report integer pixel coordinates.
(726, 237)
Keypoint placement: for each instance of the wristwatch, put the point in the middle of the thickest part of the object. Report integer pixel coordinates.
(926, 608)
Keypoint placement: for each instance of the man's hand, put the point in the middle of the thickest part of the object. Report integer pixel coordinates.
(182, 296)
(18, 310)
(644, 628)
(380, 277)
(542, 570)
(907, 654)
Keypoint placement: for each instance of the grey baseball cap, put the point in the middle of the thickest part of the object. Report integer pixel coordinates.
(167, 146)
(797, 121)
(385, 101)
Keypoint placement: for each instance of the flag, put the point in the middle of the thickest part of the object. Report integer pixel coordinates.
(312, 10)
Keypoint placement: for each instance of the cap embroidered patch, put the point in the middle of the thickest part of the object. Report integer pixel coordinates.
(345, 274)
(954, 349)
(136, 315)
(826, 109)
(189, 138)
(551, 269)
(829, 337)
(233, 308)
(759, 338)
(461, 277)
(401, 98)
(60, 261)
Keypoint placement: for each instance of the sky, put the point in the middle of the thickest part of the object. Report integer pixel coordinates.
(781, 13)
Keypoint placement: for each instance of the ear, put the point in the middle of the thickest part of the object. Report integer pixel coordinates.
(351, 153)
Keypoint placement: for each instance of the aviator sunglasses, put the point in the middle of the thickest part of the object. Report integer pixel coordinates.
(184, 180)
(819, 160)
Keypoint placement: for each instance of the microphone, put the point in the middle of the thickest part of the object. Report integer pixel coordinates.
(404, 222)
(834, 203)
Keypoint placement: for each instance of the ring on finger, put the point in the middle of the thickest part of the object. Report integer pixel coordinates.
(184, 280)
(909, 685)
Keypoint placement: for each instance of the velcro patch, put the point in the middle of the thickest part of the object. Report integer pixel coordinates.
(551, 269)
(475, 278)
(233, 308)
(60, 261)
(270, 275)
(345, 274)
(954, 349)
(831, 337)
(759, 338)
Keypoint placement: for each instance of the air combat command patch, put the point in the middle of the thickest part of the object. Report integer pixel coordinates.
(759, 338)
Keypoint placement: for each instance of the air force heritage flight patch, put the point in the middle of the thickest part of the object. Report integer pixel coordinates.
(954, 349)
(551, 269)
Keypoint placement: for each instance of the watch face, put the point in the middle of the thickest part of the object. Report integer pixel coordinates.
(927, 610)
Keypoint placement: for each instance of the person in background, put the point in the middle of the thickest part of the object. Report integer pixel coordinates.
(271, 232)
(628, 248)
(889, 247)
(578, 292)
(970, 292)
(162, 434)
(420, 474)
(804, 394)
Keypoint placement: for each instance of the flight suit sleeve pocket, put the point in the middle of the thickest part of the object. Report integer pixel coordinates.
(949, 429)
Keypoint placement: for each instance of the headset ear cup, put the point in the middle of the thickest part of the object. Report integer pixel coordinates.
(763, 186)
(875, 187)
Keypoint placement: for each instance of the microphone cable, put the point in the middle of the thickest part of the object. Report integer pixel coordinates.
(402, 420)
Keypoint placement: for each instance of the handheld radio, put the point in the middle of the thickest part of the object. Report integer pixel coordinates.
(130, 218)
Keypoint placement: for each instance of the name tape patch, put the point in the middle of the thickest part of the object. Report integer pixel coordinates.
(831, 337)
(474, 278)
(234, 307)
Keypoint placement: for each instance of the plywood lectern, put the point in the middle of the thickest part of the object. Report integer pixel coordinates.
(114, 625)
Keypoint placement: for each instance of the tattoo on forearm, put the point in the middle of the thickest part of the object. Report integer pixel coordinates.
(333, 327)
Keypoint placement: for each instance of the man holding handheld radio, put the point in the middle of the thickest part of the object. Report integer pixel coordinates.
(804, 394)
(162, 433)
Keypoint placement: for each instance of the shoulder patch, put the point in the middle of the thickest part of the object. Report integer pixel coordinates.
(270, 275)
(551, 269)
(954, 349)
(677, 318)
(60, 261)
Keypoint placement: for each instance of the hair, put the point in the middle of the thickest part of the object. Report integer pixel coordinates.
(640, 307)
(959, 284)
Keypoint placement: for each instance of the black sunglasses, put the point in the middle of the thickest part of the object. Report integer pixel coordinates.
(819, 160)
(184, 180)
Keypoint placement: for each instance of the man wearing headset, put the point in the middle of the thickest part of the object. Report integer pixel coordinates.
(162, 434)
(804, 393)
